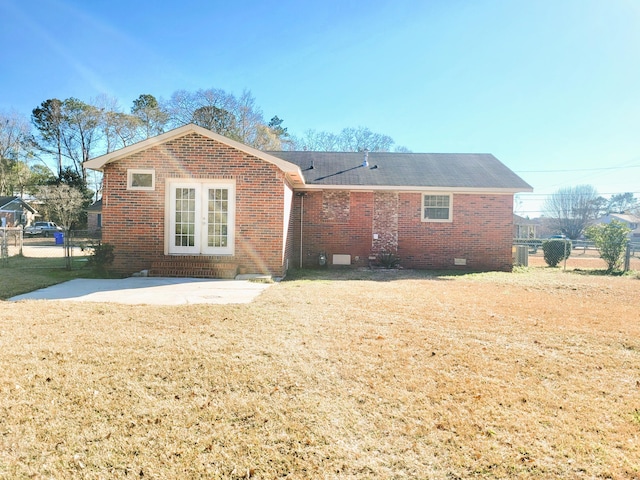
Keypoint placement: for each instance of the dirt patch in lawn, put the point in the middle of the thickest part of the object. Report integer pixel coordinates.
(337, 374)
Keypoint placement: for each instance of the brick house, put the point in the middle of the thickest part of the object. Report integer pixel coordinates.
(94, 216)
(191, 202)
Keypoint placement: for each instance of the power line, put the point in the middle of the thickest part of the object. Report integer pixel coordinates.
(577, 169)
(532, 196)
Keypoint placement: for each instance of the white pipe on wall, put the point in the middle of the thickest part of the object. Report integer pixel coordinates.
(301, 219)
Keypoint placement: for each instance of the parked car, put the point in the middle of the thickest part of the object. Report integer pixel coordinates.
(46, 229)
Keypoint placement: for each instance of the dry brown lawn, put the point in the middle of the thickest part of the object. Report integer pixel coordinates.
(346, 374)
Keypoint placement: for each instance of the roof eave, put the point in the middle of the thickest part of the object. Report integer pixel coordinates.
(419, 188)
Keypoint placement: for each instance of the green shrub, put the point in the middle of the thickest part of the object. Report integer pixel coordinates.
(388, 259)
(611, 241)
(556, 250)
(102, 256)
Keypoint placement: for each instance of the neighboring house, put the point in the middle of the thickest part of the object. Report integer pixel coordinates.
(15, 212)
(94, 216)
(631, 221)
(191, 202)
(524, 227)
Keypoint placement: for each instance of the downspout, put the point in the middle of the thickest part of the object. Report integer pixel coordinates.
(301, 195)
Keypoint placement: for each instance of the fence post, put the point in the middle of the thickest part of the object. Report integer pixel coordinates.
(627, 258)
(65, 246)
(4, 248)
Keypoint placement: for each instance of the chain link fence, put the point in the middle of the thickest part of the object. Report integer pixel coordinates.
(72, 249)
(65, 249)
(582, 253)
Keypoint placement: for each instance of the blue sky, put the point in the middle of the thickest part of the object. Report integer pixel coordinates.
(550, 87)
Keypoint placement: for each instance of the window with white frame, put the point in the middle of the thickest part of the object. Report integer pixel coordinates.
(141, 179)
(436, 208)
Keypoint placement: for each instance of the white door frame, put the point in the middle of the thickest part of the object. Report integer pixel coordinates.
(199, 217)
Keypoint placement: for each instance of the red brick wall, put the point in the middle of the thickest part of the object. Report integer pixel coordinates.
(333, 222)
(134, 220)
(331, 226)
(92, 221)
(480, 232)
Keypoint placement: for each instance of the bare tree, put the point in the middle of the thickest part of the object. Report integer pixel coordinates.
(316, 141)
(182, 105)
(570, 209)
(361, 138)
(267, 139)
(62, 203)
(249, 120)
(348, 140)
(14, 132)
(215, 119)
(221, 112)
(117, 129)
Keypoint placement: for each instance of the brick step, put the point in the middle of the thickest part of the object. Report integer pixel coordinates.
(197, 269)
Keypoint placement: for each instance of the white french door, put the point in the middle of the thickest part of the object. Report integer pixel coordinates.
(201, 218)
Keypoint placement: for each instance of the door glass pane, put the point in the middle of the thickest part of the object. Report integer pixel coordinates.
(185, 217)
(218, 206)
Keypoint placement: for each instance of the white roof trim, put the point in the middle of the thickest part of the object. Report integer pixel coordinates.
(290, 169)
(414, 188)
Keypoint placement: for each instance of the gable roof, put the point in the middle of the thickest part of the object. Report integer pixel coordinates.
(98, 163)
(7, 201)
(623, 217)
(626, 217)
(477, 172)
(520, 220)
(404, 171)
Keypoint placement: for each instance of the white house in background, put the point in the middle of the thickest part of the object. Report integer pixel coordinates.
(632, 221)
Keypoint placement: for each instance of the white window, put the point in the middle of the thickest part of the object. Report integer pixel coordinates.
(436, 208)
(141, 179)
(201, 218)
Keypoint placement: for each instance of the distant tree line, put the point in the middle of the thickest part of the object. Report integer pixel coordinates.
(571, 210)
(51, 147)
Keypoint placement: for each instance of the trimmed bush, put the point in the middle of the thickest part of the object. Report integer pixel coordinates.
(102, 256)
(556, 250)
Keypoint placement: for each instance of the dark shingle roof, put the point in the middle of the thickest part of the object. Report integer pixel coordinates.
(5, 200)
(446, 170)
(95, 207)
